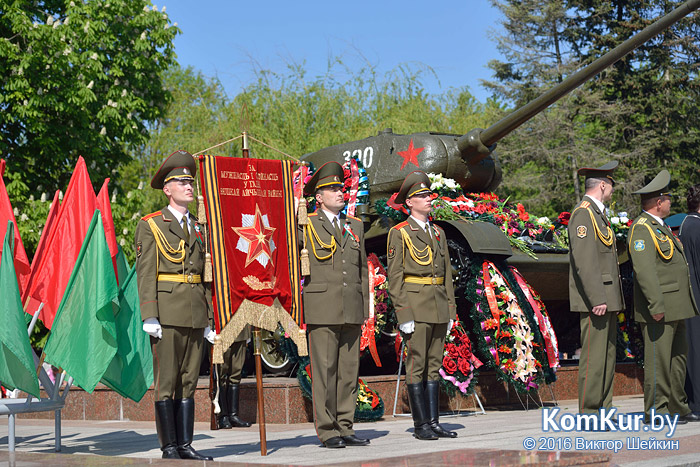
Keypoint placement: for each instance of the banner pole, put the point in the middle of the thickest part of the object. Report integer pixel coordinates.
(213, 425)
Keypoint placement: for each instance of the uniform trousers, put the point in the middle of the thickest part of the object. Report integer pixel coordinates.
(335, 368)
(596, 368)
(234, 358)
(665, 350)
(176, 361)
(425, 346)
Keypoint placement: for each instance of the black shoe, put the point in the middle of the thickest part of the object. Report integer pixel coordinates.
(690, 417)
(432, 397)
(184, 424)
(334, 442)
(353, 440)
(232, 402)
(165, 426)
(224, 423)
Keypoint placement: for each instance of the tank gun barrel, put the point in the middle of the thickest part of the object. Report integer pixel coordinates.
(478, 144)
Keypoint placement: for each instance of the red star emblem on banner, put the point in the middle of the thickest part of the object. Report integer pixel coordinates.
(409, 155)
(258, 237)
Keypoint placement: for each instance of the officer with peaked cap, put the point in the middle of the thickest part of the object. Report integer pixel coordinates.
(336, 303)
(175, 306)
(662, 301)
(595, 289)
(420, 286)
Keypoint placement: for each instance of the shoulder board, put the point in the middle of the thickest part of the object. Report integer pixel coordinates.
(151, 215)
(354, 218)
(400, 225)
(313, 214)
(642, 220)
(585, 204)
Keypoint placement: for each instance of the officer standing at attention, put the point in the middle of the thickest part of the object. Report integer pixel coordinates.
(595, 289)
(175, 306)
(662, 301)
(336, 304)
(230, 382)
(420, 286)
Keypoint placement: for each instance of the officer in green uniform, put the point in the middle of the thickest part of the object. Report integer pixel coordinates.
(175, 306)
(420, 286)
(662, 301)
(336, 304)
(230, 382)
(595, 289)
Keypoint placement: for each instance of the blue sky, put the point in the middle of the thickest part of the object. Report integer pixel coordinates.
(231, 39)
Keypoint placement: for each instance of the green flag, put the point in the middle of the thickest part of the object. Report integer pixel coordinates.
(122, 265)
(16, 361)
(131, 371)
(83, 338)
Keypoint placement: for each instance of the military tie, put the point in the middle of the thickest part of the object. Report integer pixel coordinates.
(338, 233)
(185, 229)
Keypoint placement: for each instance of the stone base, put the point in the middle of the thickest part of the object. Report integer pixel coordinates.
(285, 404)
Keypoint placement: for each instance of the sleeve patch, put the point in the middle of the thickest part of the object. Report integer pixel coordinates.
(639, 245)
(581, 231)
(392, 252)
(139, 247)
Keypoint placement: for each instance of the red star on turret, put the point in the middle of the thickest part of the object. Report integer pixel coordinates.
(258, 237)
(409, 155)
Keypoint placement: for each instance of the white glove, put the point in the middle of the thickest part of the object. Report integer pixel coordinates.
(408, 327)
(209, 335)
(151, 326)
(449, 325)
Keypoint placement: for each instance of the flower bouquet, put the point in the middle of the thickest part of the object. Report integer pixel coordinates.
(459, 364)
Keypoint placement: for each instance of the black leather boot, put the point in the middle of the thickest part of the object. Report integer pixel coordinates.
(416, 397)
(432, 395)
(234, 391)
(224, 422)
(165, 427)
(184, 417)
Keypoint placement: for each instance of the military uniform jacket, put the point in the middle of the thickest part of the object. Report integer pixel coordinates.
(594, 275)
(661, 277)
(426, 302)
(172, 303)
(337, 289)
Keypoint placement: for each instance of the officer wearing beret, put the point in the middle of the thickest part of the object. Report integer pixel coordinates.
(595, 289)
(420, 286)
(662, 301)
(175, 306)
(336, 304)
(230, 382)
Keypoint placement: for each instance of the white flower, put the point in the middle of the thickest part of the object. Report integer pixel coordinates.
(60, 195)
(143, 36)
(140, 186)
(125, 231)
(24, 217)
(90, 84)
(25, 102)
(31, 197)
(166, 26)
(103, 131)
(451, 184)
(129, 195)
(43, 197)
(67, 51)
(155, 7)
(72, 4)
(145, 8)
(123, 92)
(624, 219)
(175, 24)
(49, 20)
(622, 214)
(15, 211)
(93, 56)
(122, 242)
(615, 220)
(470, 203)
(128, 116)
(163, 10)
(114, 197)
(65, 21)
(57, 24)
(544, 220)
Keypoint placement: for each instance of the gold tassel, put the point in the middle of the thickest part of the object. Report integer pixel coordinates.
(201, 215)
(305, 266)
(208, 273)
(302, 215)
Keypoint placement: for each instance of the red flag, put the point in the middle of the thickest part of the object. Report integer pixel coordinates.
(22, 268)
(2, 167)
(105, 208)
(50, 276)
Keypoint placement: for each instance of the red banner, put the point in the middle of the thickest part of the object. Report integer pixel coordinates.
(250, 211)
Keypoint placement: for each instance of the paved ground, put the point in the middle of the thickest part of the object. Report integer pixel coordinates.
(498, 438)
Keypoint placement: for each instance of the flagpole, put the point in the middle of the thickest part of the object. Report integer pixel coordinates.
(213, 425)
(257, 347)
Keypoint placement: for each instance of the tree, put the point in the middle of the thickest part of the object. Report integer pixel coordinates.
(78, 78)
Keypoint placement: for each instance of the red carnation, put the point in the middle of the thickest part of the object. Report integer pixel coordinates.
(564, 217)
(449, 365)
(464, 366)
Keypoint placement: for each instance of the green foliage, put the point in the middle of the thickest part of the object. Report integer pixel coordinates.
(79, 78)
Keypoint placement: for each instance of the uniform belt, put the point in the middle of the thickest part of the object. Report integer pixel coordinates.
(424, 280)
(184, 278)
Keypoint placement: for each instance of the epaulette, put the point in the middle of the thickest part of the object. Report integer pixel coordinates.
(400, 225)
(354, 218)
(643, 220)
(585, 204)
(313, 214)
(151, 215)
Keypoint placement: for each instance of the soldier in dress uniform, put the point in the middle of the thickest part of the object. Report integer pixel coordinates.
(336, 304)
(420, 286)
(230, 382)
(595, 289)
(175, 307)
(662, 301)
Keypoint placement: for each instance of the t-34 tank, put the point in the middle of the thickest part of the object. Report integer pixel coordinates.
(471, 161)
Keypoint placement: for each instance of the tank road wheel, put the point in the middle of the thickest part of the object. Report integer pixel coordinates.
(274, 360)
